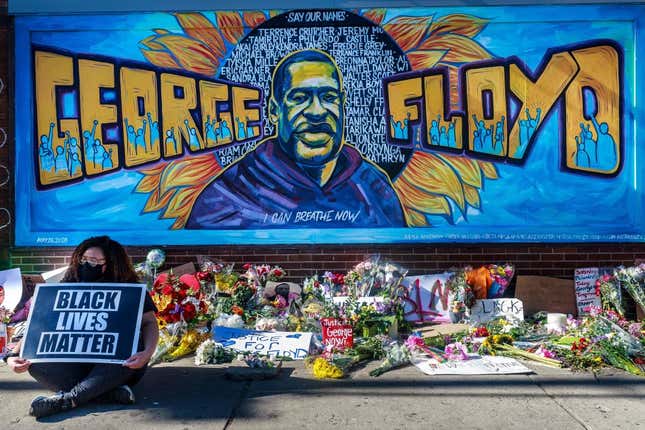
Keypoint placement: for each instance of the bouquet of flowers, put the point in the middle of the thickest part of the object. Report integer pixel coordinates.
(178, 299)
(460, 290)
(180, 307)
(608, 289)
(375, 278)
(501, 275)
(211, 352)
(397, 355)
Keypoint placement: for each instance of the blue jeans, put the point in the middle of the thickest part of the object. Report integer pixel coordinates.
(84, 381)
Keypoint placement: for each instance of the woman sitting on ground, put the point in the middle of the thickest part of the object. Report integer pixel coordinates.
(97, 259)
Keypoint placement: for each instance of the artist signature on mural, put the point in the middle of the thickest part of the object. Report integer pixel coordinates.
(52, 240)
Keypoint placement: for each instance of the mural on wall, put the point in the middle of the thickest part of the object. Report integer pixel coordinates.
(380, 125)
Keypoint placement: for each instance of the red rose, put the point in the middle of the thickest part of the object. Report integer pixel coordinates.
(203, 276)
(277, 272)
(247, 266)
(167, 290)
(189, 311)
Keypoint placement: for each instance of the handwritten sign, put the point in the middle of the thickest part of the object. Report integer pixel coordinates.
(486, 310)
(337, 333)
(83, 322)
(271, 343)
(585, 286)
(475, 365)
(428, 298)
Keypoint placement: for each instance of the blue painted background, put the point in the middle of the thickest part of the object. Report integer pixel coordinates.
(533, 202)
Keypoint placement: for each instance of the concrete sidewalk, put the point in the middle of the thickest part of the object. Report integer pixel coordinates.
(180, 395)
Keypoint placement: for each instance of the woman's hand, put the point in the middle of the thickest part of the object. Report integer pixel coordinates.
(138, 360)
(18, 365)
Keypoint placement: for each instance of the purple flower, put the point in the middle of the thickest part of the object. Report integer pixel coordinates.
(635, 329)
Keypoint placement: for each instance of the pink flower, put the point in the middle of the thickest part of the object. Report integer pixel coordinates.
(594, 311)
(414, 342)
(543, 352)
(456, 351)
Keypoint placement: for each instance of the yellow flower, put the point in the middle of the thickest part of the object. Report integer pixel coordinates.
(323, 369)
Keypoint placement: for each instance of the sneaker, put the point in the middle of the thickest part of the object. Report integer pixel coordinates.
(43, 406)
(121, 395)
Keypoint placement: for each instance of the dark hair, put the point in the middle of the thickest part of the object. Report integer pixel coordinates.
(118, 267)
(279, 83)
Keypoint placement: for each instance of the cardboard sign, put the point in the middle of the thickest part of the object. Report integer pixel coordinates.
(187, 268)
(10, 288)
(84, 322)
(337, 333)
(428, 298)
(486, 310)
(585, 287)
(476, 365)
(271, 343)
(545, 293)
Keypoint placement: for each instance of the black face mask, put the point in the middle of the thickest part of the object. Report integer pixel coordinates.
(89, 273)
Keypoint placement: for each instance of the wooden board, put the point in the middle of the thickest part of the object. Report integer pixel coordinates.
(544, 293)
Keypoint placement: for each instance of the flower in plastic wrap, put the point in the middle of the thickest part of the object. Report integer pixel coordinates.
(456, 351)
(268, 324)
(396, 356)
(211, 352)
(155, 258)
(230, 321)
(323, 369)
(256, 361)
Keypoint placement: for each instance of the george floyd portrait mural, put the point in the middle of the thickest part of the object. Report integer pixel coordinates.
(331, 126)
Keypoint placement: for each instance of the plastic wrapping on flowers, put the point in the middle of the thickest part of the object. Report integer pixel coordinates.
(181, 309)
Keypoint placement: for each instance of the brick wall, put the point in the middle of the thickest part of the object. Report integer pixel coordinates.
(557, 260)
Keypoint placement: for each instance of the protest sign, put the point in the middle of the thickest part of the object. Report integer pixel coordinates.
(84, 322)
(475, 365)
(337, 333)
(271, 343)
(585, 287)
(428, 298)
(486, 310)
(10, 288)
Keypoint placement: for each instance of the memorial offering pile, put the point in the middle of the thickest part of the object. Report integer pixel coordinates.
(361, 316)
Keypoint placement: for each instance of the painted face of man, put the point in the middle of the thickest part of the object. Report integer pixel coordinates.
(309, 115)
